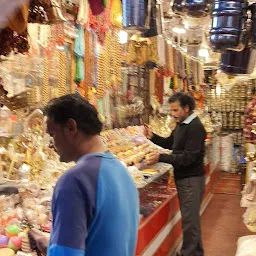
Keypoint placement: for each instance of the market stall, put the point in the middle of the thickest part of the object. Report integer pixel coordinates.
(128, 76)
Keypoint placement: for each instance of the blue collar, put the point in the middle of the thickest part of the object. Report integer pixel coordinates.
(107, 154)
(189, 119)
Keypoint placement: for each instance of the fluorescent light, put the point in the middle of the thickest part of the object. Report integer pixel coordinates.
(218, 89)
(123, 37)
(203, 53)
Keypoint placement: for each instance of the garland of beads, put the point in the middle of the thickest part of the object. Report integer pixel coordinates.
(88, 69)
(119, 61)
(45, 87)
(94, 56)
(35, 95)
(116, 71)
(62, 86)
(101, 76)
(107, 54)
(45, 35)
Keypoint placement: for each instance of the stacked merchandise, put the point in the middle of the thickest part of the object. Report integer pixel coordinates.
(246, 243)
(228, 107)
(249, 124)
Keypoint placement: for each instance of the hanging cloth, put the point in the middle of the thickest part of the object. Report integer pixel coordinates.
(182, 66)
(171, 57)
(152, 77)
(79, 70)
(79, 42)
(175, 82)
(96, 6)
(179, 63)
(187, 66)
(159, 87)
(167, 85)
(200, 73)
(83, 12)
(166, 55)
(176, 60)
(100, 107)
(194, 68)
(161, 50)
(79, 47)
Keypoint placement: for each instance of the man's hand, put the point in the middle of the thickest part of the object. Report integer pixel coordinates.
(152, 158)
(148, 131)
(39, 240)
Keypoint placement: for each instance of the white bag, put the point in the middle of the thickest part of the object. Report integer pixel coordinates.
(246, 246)
(226, 153)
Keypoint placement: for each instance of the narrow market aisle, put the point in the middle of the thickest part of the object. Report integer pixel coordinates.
(222, 225)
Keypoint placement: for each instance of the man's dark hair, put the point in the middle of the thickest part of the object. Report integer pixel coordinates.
(184, 100)
(75, 107)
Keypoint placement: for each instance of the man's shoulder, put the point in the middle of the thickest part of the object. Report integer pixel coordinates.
(196, 121)
(80, 173)
(196, 124)
(68, 176)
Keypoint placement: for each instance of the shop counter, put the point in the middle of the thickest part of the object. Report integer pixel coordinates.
(160, 232)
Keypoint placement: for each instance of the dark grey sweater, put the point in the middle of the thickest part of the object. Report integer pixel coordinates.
(188, 144)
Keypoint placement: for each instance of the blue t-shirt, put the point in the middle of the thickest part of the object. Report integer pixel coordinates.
(95, 209)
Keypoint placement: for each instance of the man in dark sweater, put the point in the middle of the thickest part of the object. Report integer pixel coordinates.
(187, 142)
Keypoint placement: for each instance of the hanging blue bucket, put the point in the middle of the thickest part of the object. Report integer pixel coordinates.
(196, 8)
(228, 19)
(253, 28)
(233, 62)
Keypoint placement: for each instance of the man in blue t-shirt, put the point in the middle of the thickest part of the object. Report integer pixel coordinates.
(95, 205)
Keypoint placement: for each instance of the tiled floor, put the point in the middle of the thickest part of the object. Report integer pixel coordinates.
(222, 225)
